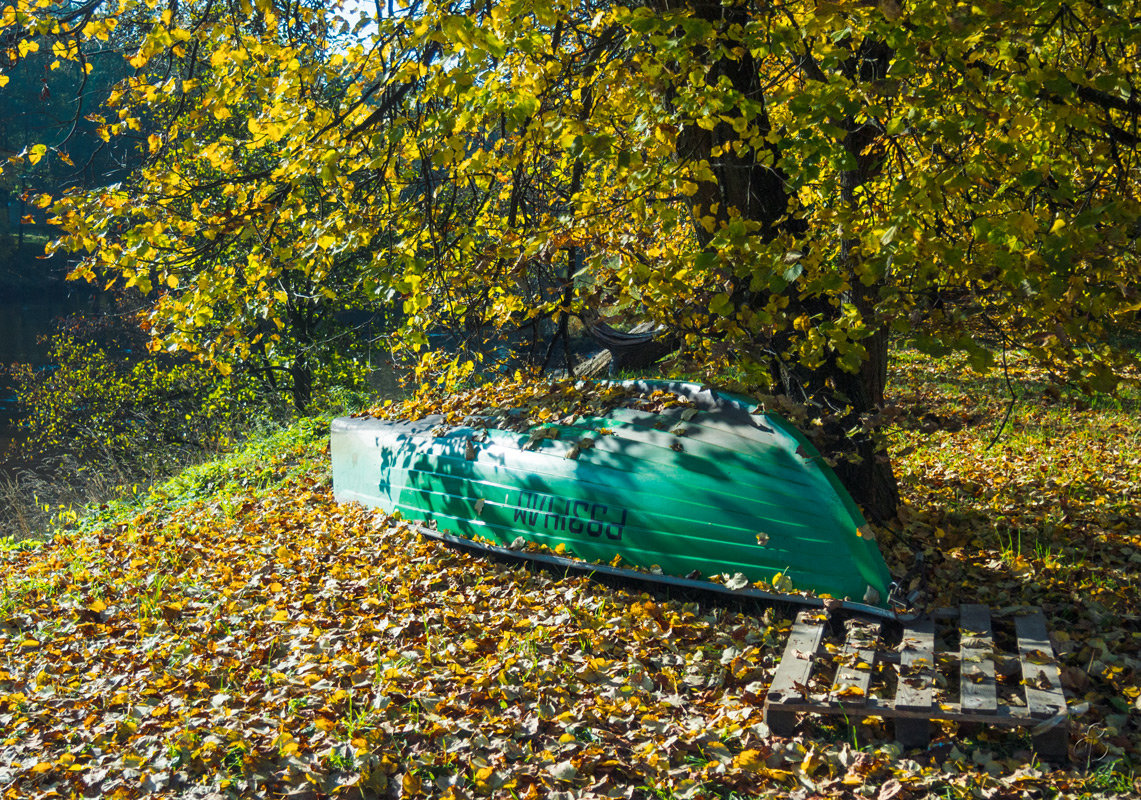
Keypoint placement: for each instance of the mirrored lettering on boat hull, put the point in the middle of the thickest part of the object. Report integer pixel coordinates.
(572, 516)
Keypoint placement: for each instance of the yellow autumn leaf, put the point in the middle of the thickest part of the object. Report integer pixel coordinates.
(750, 760)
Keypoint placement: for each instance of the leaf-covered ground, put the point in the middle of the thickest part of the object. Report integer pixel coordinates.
(236, 633)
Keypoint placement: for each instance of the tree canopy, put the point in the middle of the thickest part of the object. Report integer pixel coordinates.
(783, 185)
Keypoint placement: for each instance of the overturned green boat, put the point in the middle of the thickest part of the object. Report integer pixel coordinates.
(702, 488)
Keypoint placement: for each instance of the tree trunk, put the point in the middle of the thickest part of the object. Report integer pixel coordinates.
(866, 472)
(750, 181)
(863, 469)
(302, 377)
(746, 179)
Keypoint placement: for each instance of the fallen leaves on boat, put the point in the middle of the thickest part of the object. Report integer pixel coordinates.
(524, 404)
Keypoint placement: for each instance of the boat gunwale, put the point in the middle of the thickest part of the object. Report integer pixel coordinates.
(825, 605)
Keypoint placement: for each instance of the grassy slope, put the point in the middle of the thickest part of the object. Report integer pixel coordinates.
(236, 632)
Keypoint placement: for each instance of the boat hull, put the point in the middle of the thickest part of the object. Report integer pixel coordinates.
(721, 492)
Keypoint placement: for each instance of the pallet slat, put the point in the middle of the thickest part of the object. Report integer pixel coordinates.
(977, 690)
(1042, 684)
(793, 672)
(854, 676)
(796, 664)
(1040, 674)
(916, 688)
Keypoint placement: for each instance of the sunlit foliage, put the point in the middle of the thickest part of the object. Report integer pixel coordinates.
(522, 159)
(783, 187)
(101, 406)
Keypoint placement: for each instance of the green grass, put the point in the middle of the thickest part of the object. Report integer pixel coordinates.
(268, 456)
(1116, 778)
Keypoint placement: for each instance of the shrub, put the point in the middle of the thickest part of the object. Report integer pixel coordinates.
(104, 403)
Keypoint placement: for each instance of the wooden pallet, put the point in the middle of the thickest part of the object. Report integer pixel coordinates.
(915, 681)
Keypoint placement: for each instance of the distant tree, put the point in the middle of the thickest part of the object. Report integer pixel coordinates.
(215, 228)
(785, 187)
(48, 143)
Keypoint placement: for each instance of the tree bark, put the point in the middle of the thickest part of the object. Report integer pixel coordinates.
(863, 469)
(750, 181)
(867, 471)
(302, 388)
(747, 179)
